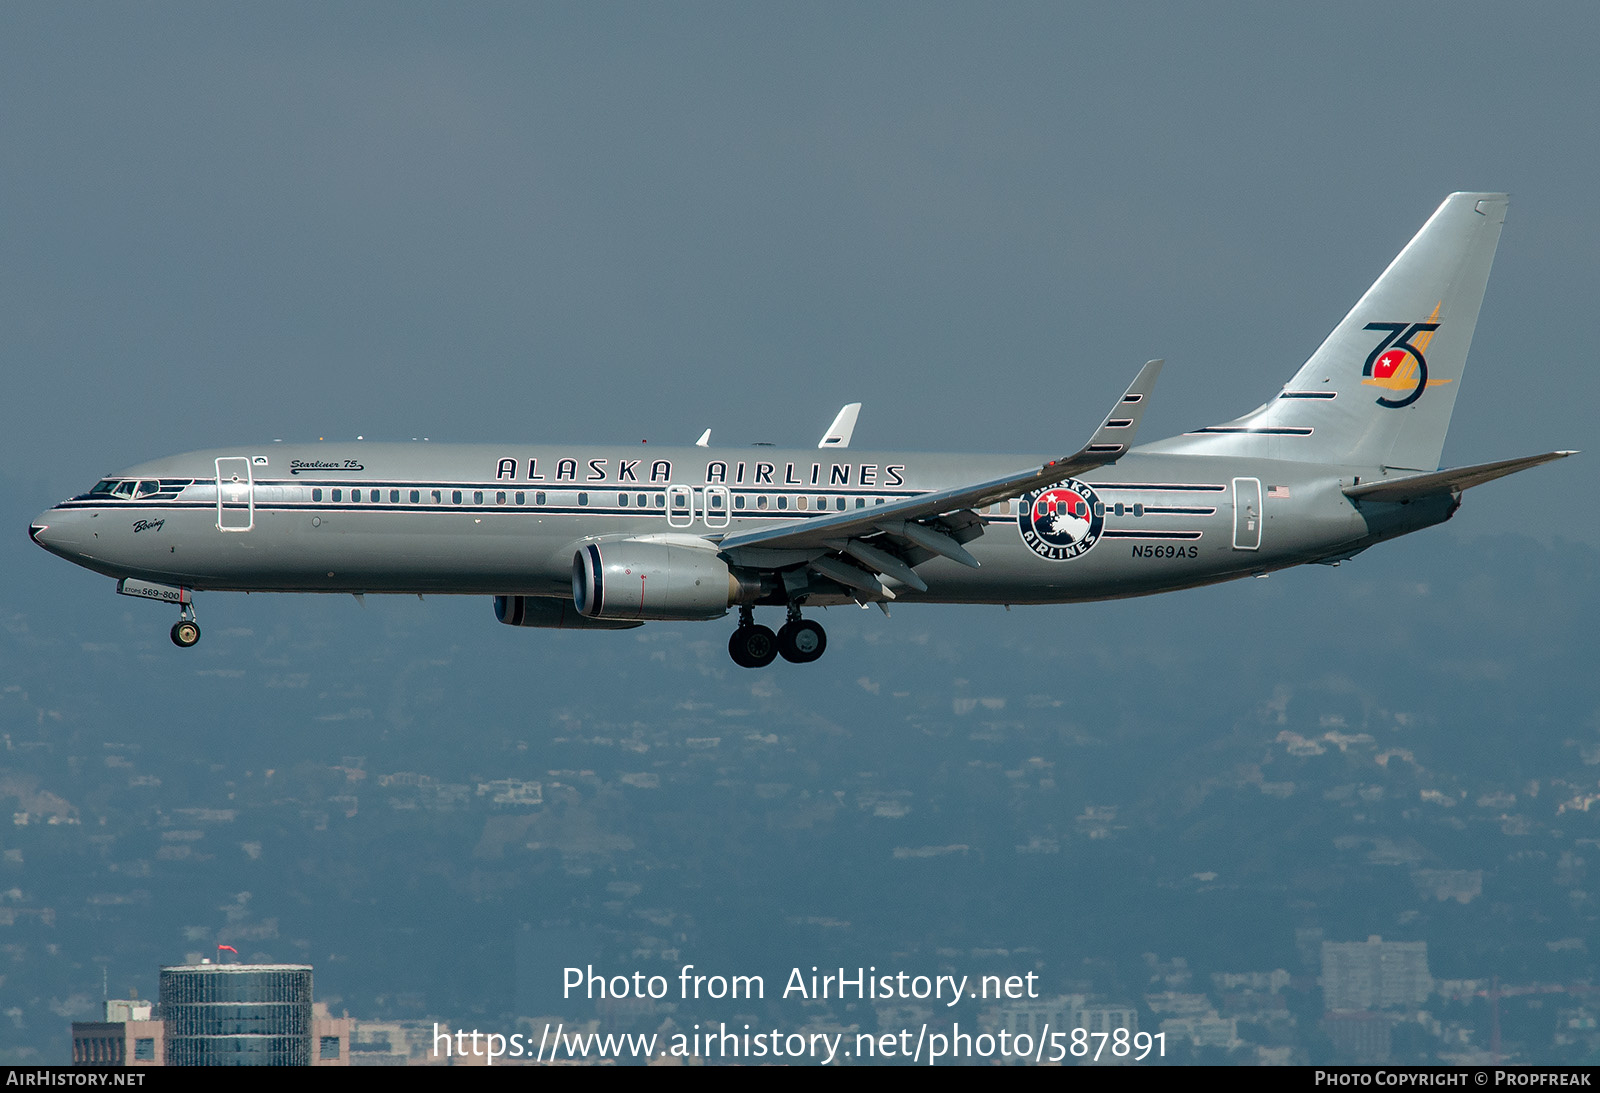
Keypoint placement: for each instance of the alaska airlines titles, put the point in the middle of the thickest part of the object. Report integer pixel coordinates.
(718, 472)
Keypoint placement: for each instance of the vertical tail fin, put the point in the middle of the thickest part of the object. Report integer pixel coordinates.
(1380, 389)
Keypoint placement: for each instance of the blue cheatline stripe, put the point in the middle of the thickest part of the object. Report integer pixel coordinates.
(1173, 487)
(508, 509)
(647, 511)
(1151, 534)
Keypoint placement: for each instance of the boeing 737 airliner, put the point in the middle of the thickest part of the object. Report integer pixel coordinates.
(610, 537)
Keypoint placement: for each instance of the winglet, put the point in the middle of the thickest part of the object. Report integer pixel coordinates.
(1116, 433)
(838, 434)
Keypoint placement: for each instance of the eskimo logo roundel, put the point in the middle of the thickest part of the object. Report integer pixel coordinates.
(1061, 521)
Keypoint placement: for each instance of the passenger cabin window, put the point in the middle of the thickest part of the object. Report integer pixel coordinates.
(583, 499)
(316, 495)
(455, 497)
(783, 502)
(644, 499)
(622, 499)
(438, 496)
(338, 495)
(538, 498)
(838, 503)
(394, 497)
(500, 498)
(801, 503)
(416, 495)
(861, 502)
(1138, 509)
(355, 495)
(477, 497)
(738, 502)
(522, 498)
(761, 502)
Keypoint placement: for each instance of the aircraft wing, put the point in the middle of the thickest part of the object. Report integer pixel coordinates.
(844, 425)
(912, 530)
(1456, 479)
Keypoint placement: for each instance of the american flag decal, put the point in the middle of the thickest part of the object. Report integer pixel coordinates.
(1278, 493)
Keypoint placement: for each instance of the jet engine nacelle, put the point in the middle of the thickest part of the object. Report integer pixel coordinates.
(550, 614)
(634, 579)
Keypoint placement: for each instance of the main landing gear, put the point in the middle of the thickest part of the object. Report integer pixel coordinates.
(799, 641)
(185, 632)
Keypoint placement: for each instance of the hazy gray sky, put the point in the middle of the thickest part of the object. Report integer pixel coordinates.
(228, 223)
(223, 223)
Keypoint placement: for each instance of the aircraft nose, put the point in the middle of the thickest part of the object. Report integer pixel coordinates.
(41, 532)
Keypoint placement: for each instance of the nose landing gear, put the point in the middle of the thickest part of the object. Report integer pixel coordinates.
(185, 632)
(799, 641)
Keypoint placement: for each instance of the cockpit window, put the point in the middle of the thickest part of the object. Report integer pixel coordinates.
(128, 489)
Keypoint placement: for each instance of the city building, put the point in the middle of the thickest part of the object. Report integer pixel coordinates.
(127, 1037)
(237, 1014)
(219, 1014)
(1374, 974)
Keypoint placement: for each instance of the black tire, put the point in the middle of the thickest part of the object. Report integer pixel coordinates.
(185, 634)
(802, 641)
(753, 647)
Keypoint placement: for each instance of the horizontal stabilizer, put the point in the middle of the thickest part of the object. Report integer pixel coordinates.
(1455, 479)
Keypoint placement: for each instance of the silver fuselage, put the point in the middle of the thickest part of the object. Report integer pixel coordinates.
(506, 520)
